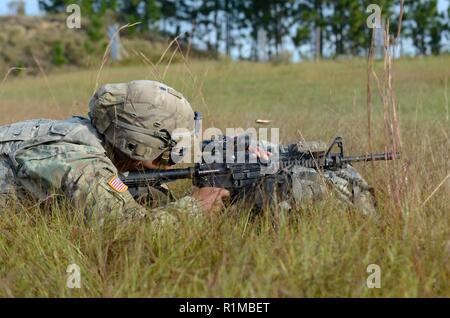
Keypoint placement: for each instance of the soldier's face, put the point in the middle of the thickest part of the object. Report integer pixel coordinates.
(154, 164)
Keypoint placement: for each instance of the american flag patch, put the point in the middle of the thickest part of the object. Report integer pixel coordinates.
(117, 185)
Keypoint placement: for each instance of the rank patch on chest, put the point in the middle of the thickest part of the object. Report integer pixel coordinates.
(116, 184)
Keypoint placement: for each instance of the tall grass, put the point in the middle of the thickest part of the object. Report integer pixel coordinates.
(320, 250)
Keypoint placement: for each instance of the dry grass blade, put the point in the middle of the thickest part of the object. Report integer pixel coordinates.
(108, 48)
(390, 107)
(169, 63)
(47, 84)
(185, 59)
(370, 60)
(400, 20)
(167, 49)
(8, 72)
(146, 60)
(322, 178)
(435, 190)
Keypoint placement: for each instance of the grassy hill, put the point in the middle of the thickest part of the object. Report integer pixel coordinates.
(314, 251)
(39, 44)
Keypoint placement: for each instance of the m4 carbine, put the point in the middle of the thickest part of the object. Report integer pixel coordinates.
(226, 171)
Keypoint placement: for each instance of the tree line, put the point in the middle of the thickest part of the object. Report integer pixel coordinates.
(263, 29)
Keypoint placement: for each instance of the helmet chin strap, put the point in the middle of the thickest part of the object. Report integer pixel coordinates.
(165, 157)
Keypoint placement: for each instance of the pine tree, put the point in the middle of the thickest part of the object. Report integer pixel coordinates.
(425, 25)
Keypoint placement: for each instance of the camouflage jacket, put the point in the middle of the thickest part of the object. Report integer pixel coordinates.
(43, 158)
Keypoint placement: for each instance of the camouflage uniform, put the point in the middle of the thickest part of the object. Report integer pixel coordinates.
(310, 186)
(44, 158)
(300, 185)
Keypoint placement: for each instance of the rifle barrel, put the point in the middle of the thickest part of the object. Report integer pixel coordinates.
(371, 157)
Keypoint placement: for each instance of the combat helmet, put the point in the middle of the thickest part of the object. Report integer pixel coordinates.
(138, 118)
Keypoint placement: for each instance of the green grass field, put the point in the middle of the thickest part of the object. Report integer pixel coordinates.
(317, 251)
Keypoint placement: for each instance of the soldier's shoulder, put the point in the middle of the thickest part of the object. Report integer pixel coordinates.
(37, 131)
(80, 130)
